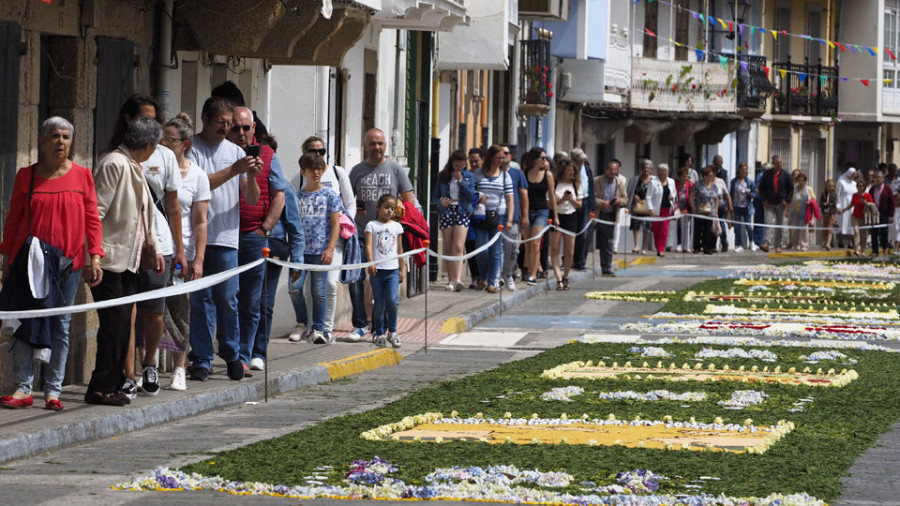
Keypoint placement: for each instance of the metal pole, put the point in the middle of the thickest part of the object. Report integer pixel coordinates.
(427, 282)
(500, 290)
(265, 252)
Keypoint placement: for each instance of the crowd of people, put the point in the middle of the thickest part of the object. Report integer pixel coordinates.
(166, 205)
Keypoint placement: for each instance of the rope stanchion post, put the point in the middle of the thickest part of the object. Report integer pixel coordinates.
(427, 243)
(593, 251)
(268, 322)
(547, 277)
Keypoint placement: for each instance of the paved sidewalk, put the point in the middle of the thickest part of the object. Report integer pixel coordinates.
(292, 366)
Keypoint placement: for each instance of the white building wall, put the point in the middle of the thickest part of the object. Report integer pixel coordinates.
(291, 112)
(352, 138)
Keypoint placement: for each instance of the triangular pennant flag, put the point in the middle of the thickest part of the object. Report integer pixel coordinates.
(650, 33)
(822, 80)
(743, 65)
(702, 19)
(830, 44)
(843, 79)
(767, 70)
(722, 22)
(888, 81)
(730, 26)
(802, 77)
(822, 41)
(775, 34)
(699, 54)
(762, 30)
(724, 62)
(865, 82)
(784, 32)
(857, 48)
(870, 50)
(695, 14)
(752, 29)
(843, 49)
(741, 28)
(888, 51)
(783, 73)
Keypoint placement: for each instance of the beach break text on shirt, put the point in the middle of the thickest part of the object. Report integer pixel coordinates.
(373, 186)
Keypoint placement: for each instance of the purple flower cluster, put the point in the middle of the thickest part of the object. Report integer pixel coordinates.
(371, 472)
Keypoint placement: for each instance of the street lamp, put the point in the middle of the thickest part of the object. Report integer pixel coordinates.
(738, 13)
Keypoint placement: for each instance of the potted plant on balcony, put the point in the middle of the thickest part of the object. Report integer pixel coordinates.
(538, 88)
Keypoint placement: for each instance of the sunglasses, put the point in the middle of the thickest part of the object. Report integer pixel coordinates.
(320, 152)
(238, 128)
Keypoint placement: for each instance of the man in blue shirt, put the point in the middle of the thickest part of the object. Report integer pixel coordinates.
(520, 215)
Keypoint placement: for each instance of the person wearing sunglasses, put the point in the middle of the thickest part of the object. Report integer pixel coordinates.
(256, 224)
(335, 178)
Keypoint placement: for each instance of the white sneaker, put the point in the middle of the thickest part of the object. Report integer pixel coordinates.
(738, 249)
(357, 333)
(380, 341)
(178, 379)
(754, 247)
(678, 249)
(298, 333)
(257, 364)
(510, 285)
(317, 337)
(393, 339)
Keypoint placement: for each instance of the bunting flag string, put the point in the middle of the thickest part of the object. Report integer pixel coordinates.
(724, 60)
(729, 26)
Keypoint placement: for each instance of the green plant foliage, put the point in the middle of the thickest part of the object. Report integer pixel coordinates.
(831, 431)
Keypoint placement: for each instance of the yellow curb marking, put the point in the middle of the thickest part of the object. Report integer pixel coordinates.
(362, 362)
(453, 326)
(620, 264)
(644, 261)
(812, 254)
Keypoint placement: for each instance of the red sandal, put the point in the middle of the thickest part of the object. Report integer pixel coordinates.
(54, 405)
(8, 401)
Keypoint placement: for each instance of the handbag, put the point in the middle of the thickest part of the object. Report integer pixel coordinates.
(640, 208)
(705, 208)
(491, 220)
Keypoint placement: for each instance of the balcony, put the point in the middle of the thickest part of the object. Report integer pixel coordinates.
(536, 81)
(753, 86)
(544, 10)
(682, 86)
(809, 96)
(427, 15)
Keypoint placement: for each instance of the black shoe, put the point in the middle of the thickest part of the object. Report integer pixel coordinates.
(609, 274)
(150, 383)
(236, 370)
(199, 374)
(530, 280)
(117, 398)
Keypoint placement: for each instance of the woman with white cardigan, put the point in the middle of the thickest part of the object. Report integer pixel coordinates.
(661, 200)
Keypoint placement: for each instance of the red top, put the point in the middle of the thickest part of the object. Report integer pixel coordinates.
(859, 204)
(63, 213)
(252, 217)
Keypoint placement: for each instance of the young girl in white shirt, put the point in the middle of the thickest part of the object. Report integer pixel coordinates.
(382, 243)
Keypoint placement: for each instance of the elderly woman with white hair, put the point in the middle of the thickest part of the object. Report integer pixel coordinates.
(129, 240)
(54, 201)
(640, 206)
(662, 200)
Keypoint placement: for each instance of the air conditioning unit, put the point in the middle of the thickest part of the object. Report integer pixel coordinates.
(554, 10)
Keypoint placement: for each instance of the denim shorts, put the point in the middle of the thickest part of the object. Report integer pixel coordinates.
(538, 218)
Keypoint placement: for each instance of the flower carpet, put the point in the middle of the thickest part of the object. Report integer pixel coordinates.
(736, 409)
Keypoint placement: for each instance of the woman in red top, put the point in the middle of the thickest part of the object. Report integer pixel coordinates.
(63, 213)
(858, 217)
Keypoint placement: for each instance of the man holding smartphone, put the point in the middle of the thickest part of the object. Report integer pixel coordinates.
(257, 222)
(216, 307)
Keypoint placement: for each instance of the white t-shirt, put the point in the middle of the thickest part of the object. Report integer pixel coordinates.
(566, 207)
(224, 219)
(162, 175)
(337, 179)
(384, 243)
(194, 188)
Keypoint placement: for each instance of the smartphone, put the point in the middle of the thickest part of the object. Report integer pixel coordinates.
(252, 150)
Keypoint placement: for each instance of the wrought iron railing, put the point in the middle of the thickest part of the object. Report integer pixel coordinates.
(806, 90)
(536, 78)
(753, 86)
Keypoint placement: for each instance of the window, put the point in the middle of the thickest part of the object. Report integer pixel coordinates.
(781, 146)
(783, 44)
(682, 29)
(651, 22)
(814, 29)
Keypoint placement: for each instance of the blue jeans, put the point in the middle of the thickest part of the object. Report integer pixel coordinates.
(742, 217)
(55, 371)
(358, 291)
(759, 218)
(491, 260)
(316, 289)
(264, 329)
(386, 291)
(216, 308)
(250, 293)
